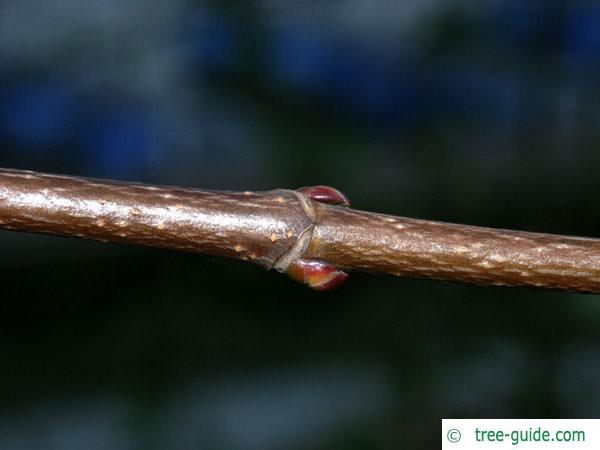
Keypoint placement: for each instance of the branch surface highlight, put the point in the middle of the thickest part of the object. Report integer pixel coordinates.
(311, 233)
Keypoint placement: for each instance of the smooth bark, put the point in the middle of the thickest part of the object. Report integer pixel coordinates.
(276, 228)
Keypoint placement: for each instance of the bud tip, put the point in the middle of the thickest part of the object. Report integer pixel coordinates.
(317, 275)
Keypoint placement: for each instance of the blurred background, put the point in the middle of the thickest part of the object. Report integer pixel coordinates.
(481, 112)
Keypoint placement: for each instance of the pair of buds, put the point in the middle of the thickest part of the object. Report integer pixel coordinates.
(319, 275)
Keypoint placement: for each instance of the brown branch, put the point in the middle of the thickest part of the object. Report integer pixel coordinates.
(294, 231)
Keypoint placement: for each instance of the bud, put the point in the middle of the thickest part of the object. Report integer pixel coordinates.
(325, 194)
(317, 275)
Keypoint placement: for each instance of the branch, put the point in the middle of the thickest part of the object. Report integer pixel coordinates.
(310, 233)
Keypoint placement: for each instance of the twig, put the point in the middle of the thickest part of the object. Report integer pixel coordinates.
(310, 233)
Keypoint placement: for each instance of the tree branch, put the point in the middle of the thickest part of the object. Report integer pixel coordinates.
(310, 233)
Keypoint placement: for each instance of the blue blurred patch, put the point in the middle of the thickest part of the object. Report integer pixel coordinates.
(361, 81)
(300, 59)
(582, 34)
(120, 142)
(37, 114)
(372, 90)
(213, 42)
(478, 96)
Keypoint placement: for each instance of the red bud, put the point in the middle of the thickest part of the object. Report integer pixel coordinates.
(317, 275)
(325, 194)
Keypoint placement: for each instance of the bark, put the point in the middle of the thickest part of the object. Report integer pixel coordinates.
(256, 226)
(281, 227)
(364, 241)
